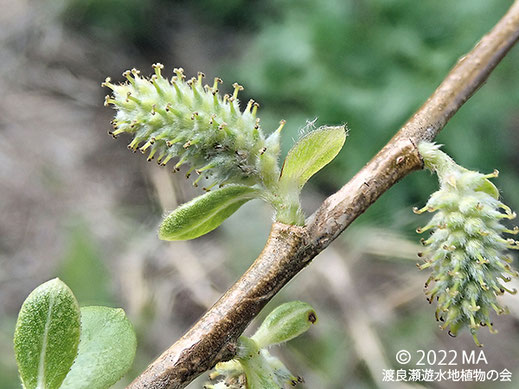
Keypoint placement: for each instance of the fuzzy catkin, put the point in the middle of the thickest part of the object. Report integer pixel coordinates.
(186, 120)
(466, 250)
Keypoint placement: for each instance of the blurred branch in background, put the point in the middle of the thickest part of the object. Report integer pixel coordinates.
(366, 342)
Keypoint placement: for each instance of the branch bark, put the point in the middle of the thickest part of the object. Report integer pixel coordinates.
(290, 248)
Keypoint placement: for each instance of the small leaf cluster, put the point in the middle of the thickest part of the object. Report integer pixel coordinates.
(59, 345)
(466, 250)
(192, 124)
(254, 367)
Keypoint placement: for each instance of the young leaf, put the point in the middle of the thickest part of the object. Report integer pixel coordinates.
(489, 188)
(47, 335)
(284, 323)
(204, 213)
(106, 350)
(310, 154)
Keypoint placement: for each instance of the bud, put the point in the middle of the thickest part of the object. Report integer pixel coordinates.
(466, 250)
(286, 322)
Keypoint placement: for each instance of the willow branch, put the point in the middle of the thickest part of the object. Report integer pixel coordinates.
(290, 248)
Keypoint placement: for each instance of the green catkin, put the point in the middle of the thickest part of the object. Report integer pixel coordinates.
(179, 122)
(194, 124)
(466, 249)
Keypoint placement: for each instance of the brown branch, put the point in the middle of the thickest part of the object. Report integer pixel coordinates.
(290, 248)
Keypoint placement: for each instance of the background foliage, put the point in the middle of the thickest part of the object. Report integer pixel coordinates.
(78, 205)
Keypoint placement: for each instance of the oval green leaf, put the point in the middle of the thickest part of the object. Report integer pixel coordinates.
(310, 154)
(106, 350)
(284, 323)
(204, 213)
(47, 335)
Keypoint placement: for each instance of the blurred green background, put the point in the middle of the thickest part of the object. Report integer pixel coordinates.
(77, 205)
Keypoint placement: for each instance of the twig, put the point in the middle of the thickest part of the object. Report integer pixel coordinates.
(364, 339)
(290, 248)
